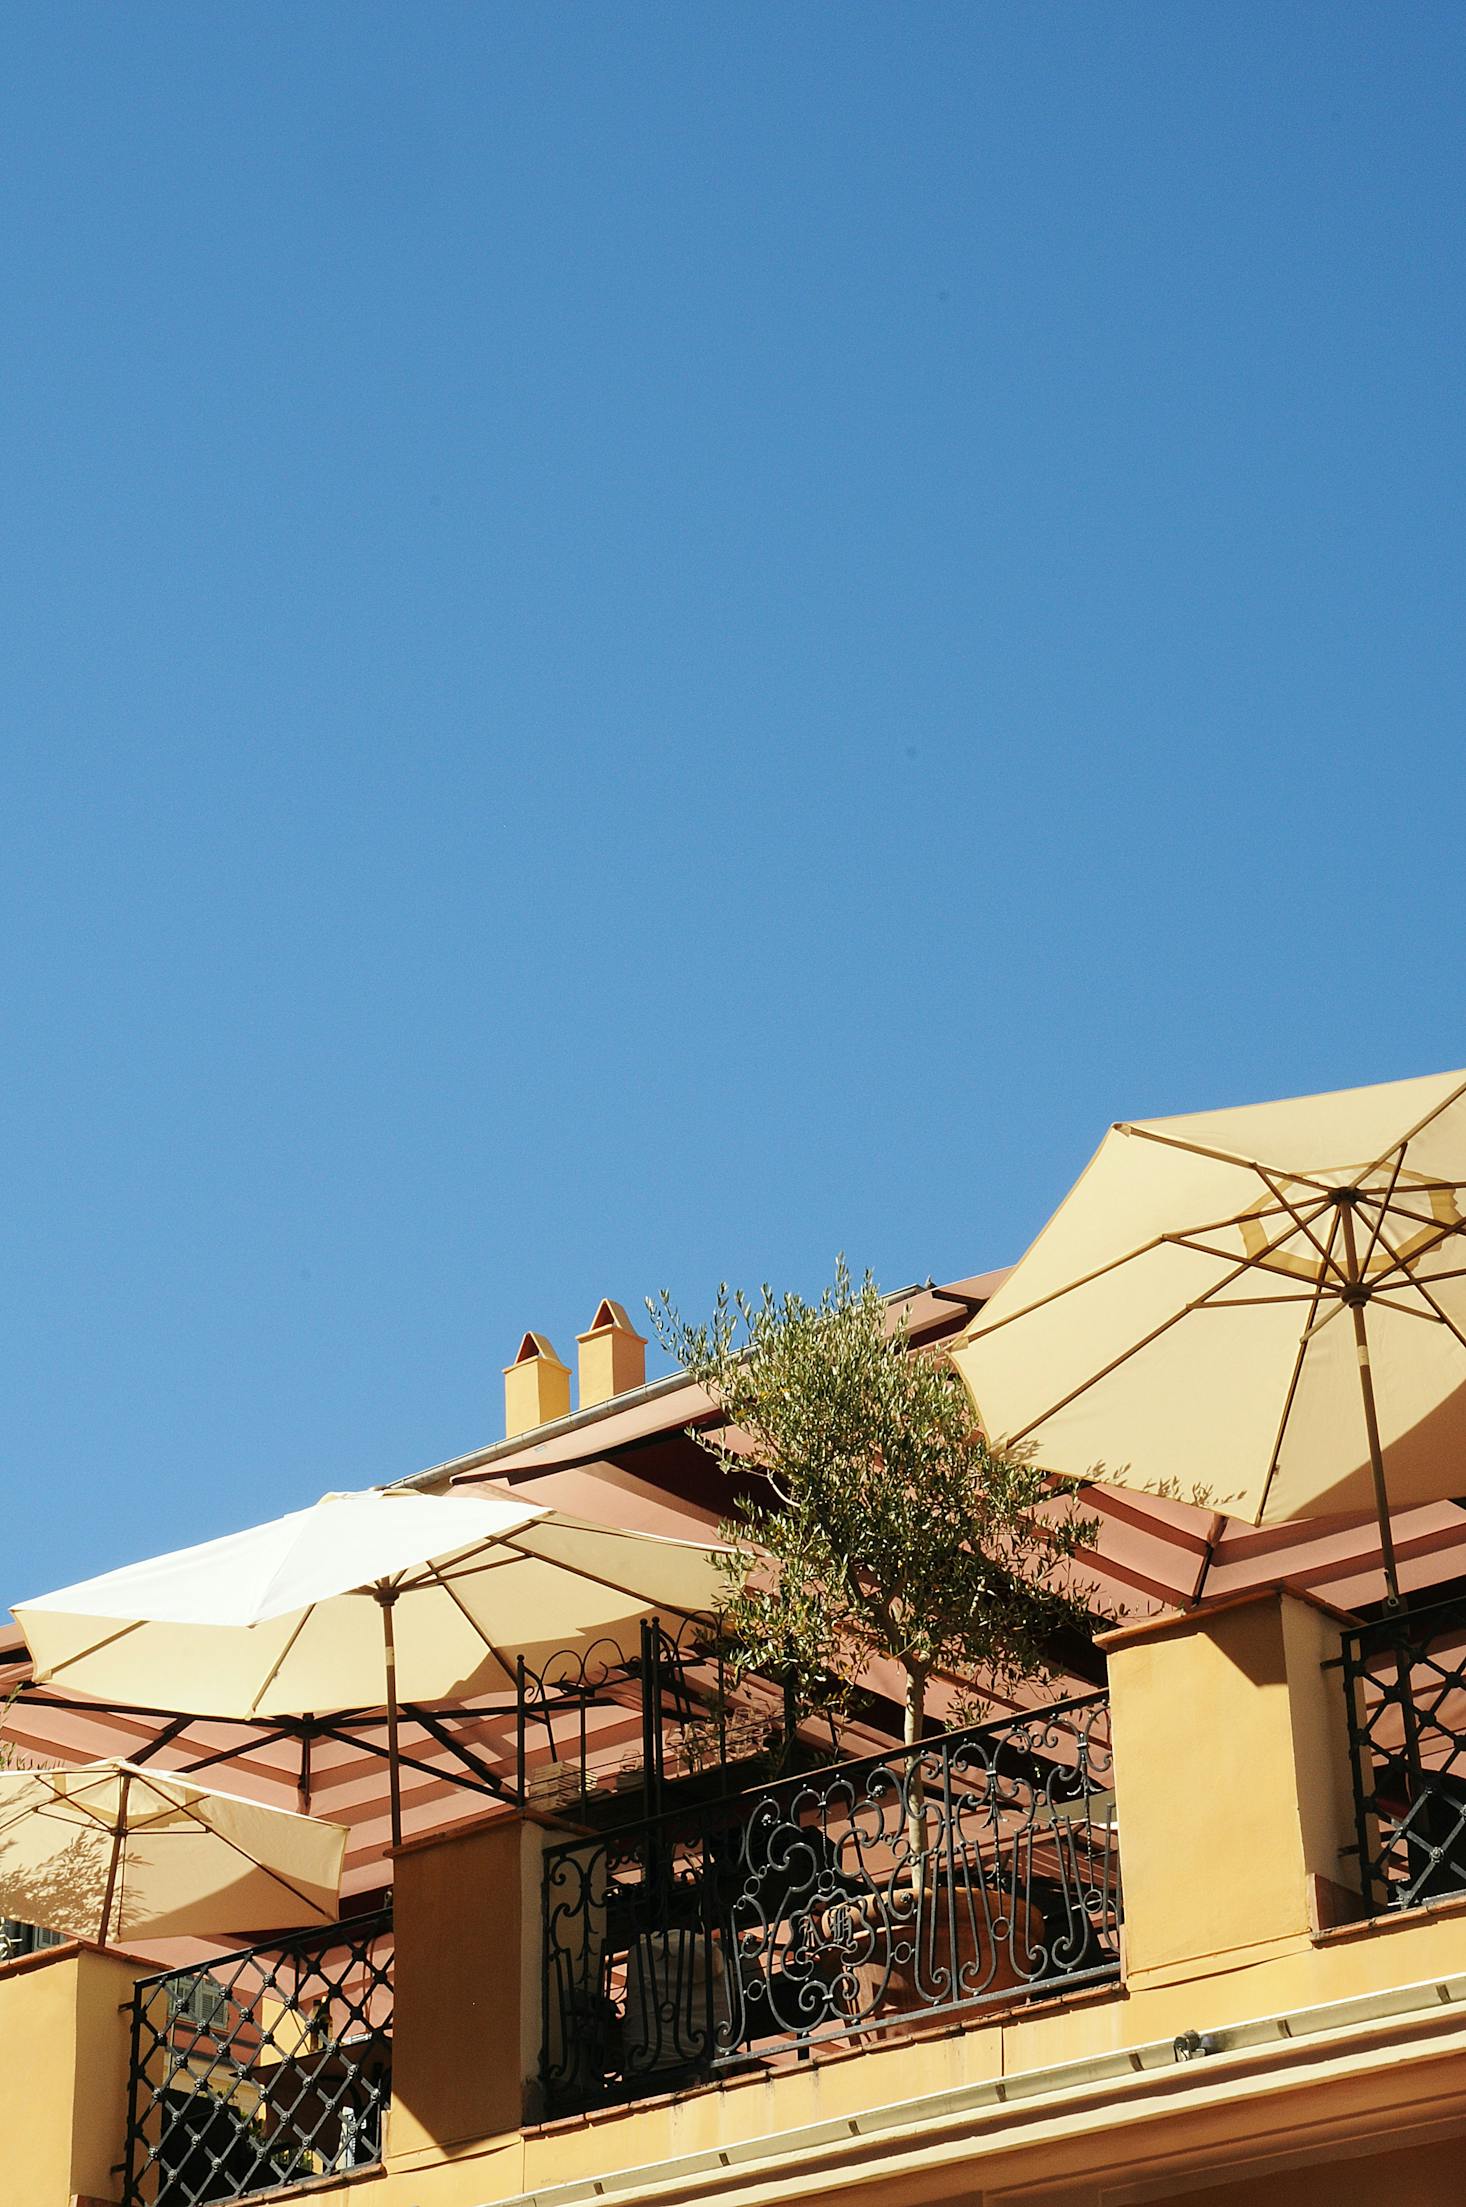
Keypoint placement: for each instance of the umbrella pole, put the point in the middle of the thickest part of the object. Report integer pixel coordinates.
(112, 1867)
(1356, 1295)
(1376, 1461)
(1394, 1606)
(303, 1783)
(387, 1596)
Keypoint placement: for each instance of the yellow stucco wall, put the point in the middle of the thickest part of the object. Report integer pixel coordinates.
(63, 2075)
(1232, 1778)
(466, 1988)
(1233, 1800)
(998, 2165)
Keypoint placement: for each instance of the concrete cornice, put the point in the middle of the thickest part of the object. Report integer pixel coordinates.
(930, 2145)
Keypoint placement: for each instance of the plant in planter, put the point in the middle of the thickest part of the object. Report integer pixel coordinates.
(888, 1527)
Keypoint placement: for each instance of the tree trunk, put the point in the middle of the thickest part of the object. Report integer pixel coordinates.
(915, 1792)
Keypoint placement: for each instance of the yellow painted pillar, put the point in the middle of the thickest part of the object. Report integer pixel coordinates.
(64, 2044)
(1232, 1783)
(466, 2028)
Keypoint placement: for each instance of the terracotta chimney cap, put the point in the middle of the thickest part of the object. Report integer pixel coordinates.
(608, 1315)
(533, 1345)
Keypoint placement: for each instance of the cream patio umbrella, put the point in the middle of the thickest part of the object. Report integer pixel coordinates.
(109, 1850)
(362, 1600)
(1264, 1308)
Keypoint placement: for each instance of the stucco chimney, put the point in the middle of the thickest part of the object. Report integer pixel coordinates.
(536, 1387)
(612, 1355)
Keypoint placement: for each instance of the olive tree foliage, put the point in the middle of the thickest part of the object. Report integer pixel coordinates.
(889, 1526)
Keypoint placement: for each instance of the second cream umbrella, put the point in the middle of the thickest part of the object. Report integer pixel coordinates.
(1265, 1305)
(364, 1599)
(112, 1850)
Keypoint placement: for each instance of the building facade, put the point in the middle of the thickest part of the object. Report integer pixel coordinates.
(1193, 1929)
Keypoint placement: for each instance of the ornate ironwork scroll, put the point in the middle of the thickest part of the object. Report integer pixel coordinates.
(683, 1730)
(267, 2066)
(1405, 1684)
(980, 1866)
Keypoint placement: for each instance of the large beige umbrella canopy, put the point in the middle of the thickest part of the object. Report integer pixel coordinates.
(363, 1600)
(1263, 1308)
(111, 1850)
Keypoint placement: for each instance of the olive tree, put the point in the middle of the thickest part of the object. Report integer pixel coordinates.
(886, 1525)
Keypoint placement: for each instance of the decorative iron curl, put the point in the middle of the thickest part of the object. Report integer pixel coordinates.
(975, 1867)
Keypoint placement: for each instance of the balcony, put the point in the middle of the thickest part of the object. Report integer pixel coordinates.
(267, 2066)
(839, 1955)
(1405, 1686)
(980, 1867)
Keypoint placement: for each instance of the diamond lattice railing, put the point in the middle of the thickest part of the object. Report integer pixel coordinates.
(263, 2068)
(1405, 1683)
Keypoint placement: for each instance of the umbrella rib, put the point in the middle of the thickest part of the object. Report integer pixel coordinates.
(1449, 1323)
(980, 1332)
(1384, 1205)
(1245, 1264)
(1305, 1225)
(471, 1762)
(275, 1668)
(95, 1647)
(238, 1754)
(168, 1811)
(134, 1823)
(467, 1569)
(149, 1748)
(276, 1877)
(1336, 1307)
(612, 1586)
(1406, 1310)
(35, 1808)
(1221, 1156)
(466, 1612)
(1401, 1262)
(78, 1802)
(1443, 1228)
(1420, 1125)
(415, 1763)
(1303, 1340)
(33, 1695)
(1436, 1279)
(1227, 1256)
(1257, 1302)
(1070, 1287)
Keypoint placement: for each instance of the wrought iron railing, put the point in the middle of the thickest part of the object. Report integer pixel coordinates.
(980, 1866)
(690, 1725)
(262, 2068)
(1405, 1683)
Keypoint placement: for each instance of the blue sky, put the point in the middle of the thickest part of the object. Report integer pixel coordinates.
(644, 643)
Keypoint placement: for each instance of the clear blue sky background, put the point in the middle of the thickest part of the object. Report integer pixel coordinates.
(643, 643)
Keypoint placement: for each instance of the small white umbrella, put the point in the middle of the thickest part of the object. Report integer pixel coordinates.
(363, 1598)
(111, 1850)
